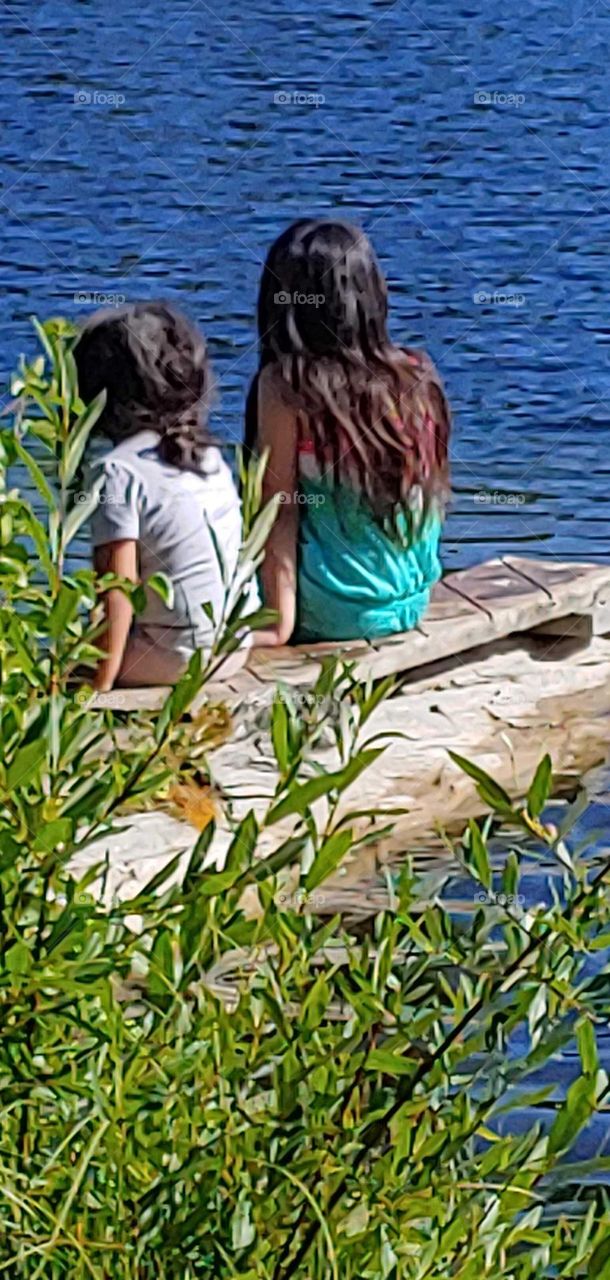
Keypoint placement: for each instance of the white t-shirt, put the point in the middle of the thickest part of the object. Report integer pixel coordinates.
(175, 516)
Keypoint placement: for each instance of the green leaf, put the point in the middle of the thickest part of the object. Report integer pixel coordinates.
(491, 792)
(10, 851)
(79, 436)
(198, 855)
(161, 974)
(54, 833)
(510, 875)
(40, 538)
(64, 611)
(214, 883)
(137, 596)
(26, 763)
(160, 877)
(587, 1046)
(81, 511)
(279, 733)
(181, 696)
(477, 856)
(316, 1003)
(256, 541)
(356, 1221)
(379, 693)
(302, 796)
(288, 853)
(44, 338)
(540, 788)
(19, 636)
(258, 619)
(391, 1064)
(329, 857)
(163, 587)
(18, 960)
(37, 475)
(599, 1262)
(573, 1115)
(243, 844)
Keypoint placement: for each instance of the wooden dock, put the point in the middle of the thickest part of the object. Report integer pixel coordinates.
(512, 660)
(469, 609)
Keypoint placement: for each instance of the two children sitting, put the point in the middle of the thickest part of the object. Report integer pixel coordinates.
(356, 430)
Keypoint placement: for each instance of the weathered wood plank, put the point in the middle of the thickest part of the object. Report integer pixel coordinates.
(445, 605)
(560, 579)
(288, 663)
(581, 583)
(548, 573)
(468, 609)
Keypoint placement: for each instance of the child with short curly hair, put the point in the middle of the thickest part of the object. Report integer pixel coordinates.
(168, 501)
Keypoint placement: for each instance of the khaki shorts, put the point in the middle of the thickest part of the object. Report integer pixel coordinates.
(146, 663)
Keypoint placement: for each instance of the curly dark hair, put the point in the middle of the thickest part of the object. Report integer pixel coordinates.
(375, 411)
(153, 364)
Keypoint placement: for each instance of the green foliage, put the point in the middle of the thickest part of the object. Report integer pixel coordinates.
(222, 1094)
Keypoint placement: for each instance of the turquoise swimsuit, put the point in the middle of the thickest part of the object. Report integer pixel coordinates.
(354, 580)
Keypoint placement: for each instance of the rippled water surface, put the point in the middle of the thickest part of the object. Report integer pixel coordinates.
(143, 152)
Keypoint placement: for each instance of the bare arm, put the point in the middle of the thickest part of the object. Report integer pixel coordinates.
(120, 558)
(278, 433)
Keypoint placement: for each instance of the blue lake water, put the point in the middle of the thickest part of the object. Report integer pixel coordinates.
(142, 153)
(155, 150)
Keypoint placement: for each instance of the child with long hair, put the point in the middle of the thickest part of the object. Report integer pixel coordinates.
(356, 431)
(168, 502)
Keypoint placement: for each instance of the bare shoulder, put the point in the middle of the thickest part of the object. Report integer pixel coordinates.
(274, 388)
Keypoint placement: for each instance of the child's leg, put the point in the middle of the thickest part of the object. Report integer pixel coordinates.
(145, 663)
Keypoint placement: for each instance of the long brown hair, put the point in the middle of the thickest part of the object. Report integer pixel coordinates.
(376, 413)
